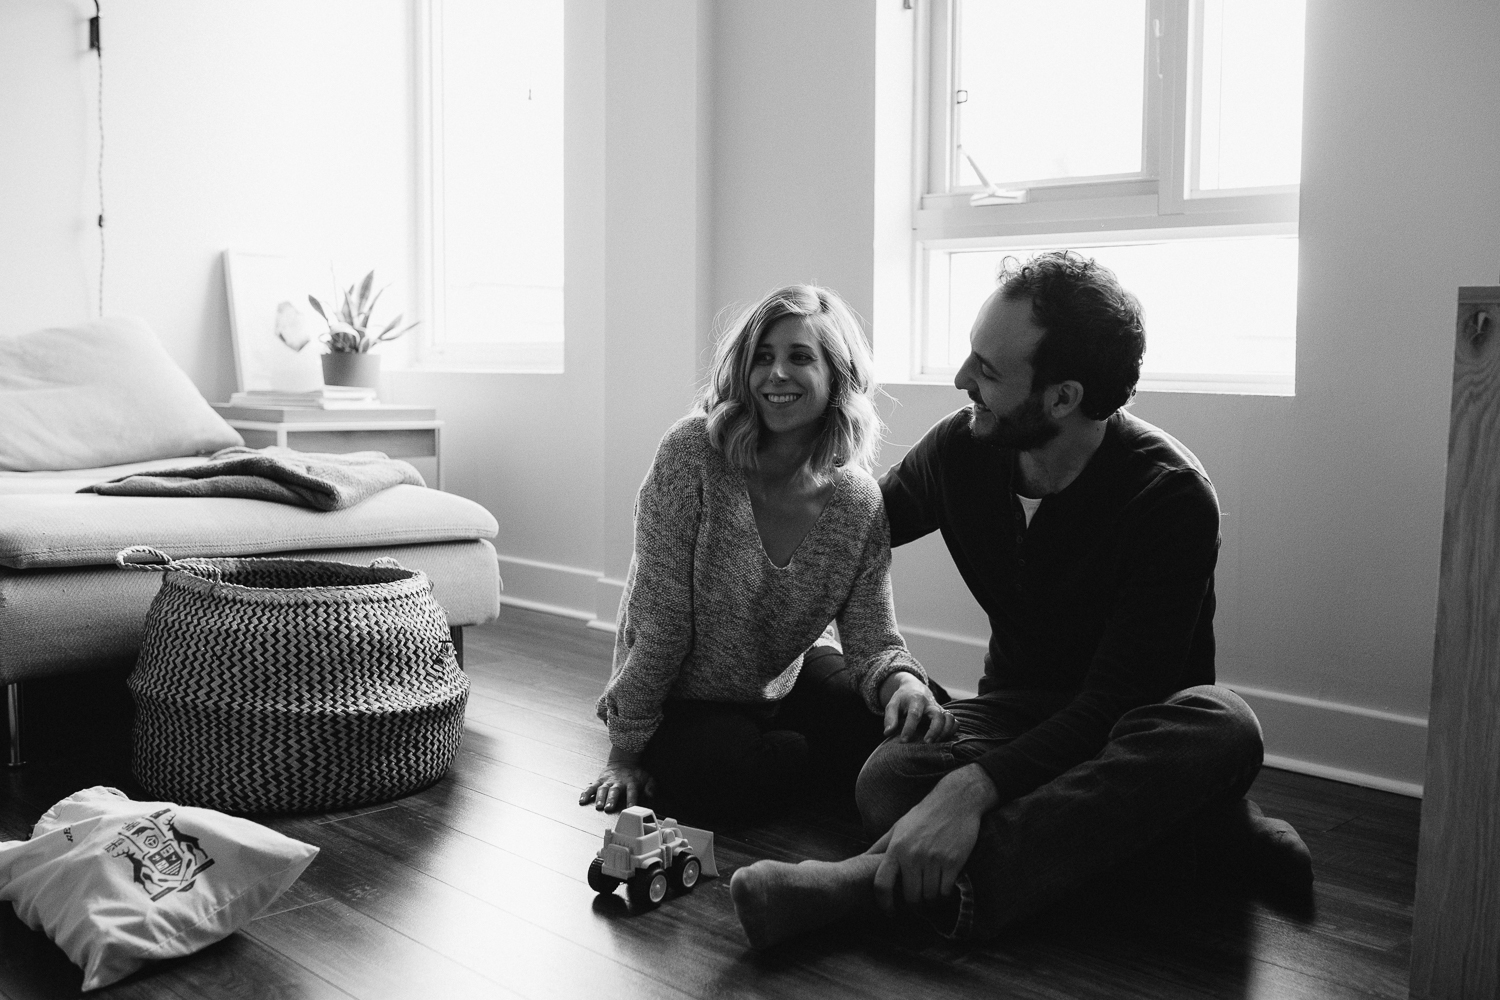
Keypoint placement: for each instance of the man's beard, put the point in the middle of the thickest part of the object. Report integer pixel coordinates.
(1024, 428)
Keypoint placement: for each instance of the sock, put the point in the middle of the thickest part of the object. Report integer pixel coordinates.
(1278, 855)
(1241, 843)
(775, 900)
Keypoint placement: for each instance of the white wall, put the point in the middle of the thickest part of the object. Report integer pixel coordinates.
(558, 458)
(1338, 492)
(717, 150)
(44, 158)
(655, 238)
(531, 447)
(264, 126)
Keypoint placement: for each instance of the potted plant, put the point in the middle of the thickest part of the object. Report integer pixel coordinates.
(350, 336)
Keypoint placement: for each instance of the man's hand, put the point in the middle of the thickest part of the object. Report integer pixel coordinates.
(930, 845)
(621, 783)
(908, 702)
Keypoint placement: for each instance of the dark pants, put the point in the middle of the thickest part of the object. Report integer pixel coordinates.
(732, 762)
(1165, 766)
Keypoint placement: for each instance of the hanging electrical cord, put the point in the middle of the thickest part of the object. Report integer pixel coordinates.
(98, 46)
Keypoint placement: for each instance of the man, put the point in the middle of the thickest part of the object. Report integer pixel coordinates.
(1089, 537)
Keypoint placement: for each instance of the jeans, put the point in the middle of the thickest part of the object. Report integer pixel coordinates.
(729, 762)
(1164, 764)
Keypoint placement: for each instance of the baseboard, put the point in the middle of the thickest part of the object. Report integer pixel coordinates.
(1349, 743)
(581, 594)
(1327, 739)
(607, 594)
(1407, 788)
(954, 661)
(552, 609)
(544, 586)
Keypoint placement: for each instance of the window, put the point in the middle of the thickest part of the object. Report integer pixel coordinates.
(492, 183)
(1162, 137)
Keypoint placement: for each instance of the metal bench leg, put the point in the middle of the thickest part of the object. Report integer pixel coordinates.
(13, 719)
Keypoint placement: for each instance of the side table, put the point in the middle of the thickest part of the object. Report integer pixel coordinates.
(412, 433)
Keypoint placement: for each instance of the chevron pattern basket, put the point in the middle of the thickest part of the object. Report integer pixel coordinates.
(290, 685)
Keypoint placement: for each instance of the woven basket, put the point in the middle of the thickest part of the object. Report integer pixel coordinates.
(290, 685)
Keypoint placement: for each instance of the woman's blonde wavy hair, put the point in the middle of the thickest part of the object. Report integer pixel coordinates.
(851, 427)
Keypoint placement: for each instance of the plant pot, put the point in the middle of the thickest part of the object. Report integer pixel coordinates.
(352, 369)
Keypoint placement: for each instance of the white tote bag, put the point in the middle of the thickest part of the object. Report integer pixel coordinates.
(117, 883)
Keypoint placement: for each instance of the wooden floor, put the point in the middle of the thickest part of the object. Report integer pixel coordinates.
(475, 887)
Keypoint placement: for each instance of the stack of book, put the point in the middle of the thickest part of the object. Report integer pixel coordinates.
(329, 397)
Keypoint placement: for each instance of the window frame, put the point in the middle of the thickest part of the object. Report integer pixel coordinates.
(1093, 210)
(433, 351)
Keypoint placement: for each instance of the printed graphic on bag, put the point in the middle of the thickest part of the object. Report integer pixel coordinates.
(164, 858)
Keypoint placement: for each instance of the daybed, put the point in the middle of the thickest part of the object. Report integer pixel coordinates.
(65, 607)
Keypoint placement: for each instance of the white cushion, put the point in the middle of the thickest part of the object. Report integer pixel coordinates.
(102, 393)
(117, 884)
(41, 530)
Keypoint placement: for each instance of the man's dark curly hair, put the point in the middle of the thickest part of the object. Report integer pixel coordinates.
(1094, 333)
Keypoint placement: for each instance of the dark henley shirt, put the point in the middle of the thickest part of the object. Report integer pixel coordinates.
(1107, 596)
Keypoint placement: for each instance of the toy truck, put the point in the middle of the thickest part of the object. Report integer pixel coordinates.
(651, 855)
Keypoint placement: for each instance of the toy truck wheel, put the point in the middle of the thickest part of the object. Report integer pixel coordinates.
(647, 889)
(598, 881)
(685, 872)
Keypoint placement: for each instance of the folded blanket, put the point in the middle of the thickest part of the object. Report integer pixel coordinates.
(301, 478)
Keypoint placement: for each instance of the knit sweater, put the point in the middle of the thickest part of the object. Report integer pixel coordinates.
(707, 616)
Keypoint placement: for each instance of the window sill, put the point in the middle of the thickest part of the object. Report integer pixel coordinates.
(1224, 385)
(1258, 384)
(1123, 219)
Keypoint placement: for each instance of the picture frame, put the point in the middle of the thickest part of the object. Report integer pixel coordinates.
(274, 329)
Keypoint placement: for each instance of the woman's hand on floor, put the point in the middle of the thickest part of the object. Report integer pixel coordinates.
(623, 782)
(908, 703)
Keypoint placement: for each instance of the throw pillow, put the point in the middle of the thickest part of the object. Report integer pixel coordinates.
(103, 393)
(117, 883)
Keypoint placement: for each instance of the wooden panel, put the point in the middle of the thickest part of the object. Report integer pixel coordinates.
(1456, 931)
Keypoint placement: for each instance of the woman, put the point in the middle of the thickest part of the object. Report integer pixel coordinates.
(758, 526)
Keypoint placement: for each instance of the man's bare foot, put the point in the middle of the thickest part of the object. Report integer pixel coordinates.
(775, 900)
